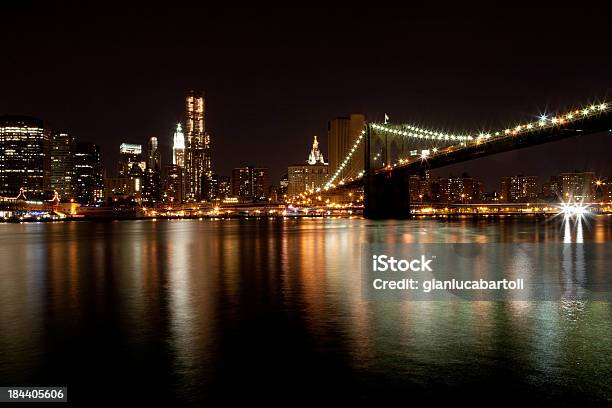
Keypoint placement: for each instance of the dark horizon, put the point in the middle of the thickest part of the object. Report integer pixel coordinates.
(274, 77)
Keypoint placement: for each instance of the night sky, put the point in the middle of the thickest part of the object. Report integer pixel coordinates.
(274, 76)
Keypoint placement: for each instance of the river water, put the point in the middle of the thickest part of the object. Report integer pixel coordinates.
(196, 311)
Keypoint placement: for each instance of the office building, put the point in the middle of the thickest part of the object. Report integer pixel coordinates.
(152, 179)
(210, 188)
(242, 180)
(603, 190)
(178, 147)
(153, 154)
(250, 183)
(414, 185)
(173, 186)
(62, 164)
(579, 187)
(307, 176)
(283, 185)
(88, 178)
(24, 157)
(551, 189)
(460, 190)
(217, 187)
(261, 183)
(130, 160)
(518, 188)
(279, 192)
(118, 189)
(225, 187)
(198, 161)
(342, 133)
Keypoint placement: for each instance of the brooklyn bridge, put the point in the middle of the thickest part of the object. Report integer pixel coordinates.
(388, 154)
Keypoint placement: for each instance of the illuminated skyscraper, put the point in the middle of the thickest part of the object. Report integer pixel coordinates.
(24, 156)
(178, 147)
(62, 164)
(197, 147)
(88, 181)
(130, 160)
(152, 180)
(153, 154)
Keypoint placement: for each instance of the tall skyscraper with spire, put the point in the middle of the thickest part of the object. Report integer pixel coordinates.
(178, 147)
(310, 175)
(175, 173)
(198, 163)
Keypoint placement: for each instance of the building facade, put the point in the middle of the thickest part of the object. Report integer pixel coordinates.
(24, 156)
(603, 190)
(306, 178)
(63, 146)
(551, 189)
(198, 158)
(217, 187)
(283, 186)
(461, 190)
(310, 175)
(173, 185)
(178, 147)
(578, 186)
(250, 183)
(225, 187)
(130, 160)
(88, 175)
(210, 188)
(242, 180)
(122, 189)
(342, 133)
(518, 188)
(152, 189)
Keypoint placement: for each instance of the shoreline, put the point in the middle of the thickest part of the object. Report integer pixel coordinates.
(280, 217)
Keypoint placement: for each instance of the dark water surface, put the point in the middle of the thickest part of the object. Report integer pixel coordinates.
(271, 310)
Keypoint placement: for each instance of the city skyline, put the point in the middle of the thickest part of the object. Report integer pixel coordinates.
(133, 163)
(266, 95)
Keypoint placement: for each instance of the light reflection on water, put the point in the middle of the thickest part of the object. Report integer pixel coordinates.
(191, 308)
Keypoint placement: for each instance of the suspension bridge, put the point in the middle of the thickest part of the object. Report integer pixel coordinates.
(388, 154)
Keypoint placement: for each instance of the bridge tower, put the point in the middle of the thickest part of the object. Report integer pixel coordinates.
(386, 194)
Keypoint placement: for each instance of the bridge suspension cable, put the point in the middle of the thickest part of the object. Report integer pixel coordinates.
(412, 131)
(345, 162)
(543, 122)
